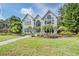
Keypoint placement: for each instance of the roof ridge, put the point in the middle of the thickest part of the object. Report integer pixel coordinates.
(26, 16)
(37, 16)
(49, 11)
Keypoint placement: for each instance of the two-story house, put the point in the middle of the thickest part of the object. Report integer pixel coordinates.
(29, 23)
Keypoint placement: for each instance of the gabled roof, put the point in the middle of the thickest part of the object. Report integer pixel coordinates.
(47, 13)
(37, 17)
(26, 16)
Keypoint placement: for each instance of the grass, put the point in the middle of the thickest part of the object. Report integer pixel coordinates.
(42, 46)
(7, 37)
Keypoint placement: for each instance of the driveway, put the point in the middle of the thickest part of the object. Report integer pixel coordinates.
(12, 40)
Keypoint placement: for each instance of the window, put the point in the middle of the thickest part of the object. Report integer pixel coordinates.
(49, 17)
(38, 23)
(28, 22)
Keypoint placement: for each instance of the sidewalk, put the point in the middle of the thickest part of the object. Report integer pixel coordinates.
(12, 40)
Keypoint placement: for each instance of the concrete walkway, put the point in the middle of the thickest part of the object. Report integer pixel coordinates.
(12, 40)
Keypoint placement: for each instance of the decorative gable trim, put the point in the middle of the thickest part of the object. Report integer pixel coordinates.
(37, 16)
(26, 16)
(47, 14)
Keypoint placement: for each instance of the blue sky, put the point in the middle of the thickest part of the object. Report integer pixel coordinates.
(21, 9)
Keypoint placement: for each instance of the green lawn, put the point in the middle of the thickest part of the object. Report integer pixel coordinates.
(42, 46)
(7, 37)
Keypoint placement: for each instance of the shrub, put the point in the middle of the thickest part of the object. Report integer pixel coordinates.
(33, 35)
(62, 28)
(38, 29)
(53, 36)
(67, 33)
(39, 35)
(48, 28)
(78, 34)
(49, 35)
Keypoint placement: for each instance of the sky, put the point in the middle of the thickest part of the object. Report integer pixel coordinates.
(21, 9)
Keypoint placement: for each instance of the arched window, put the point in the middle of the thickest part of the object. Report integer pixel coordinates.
(49, 17)
(38, 23)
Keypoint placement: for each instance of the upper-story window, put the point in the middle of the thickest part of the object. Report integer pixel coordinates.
(49, 17)
(28, 22)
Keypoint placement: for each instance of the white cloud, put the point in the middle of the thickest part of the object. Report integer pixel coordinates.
(1, 16)
(42, 9)
(26, 11)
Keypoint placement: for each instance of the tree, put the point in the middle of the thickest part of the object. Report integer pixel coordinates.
(38, 29)
(15, 24)
(48, 28)
(30, 29)
(2, 24)
(62, 28)
(70, 16)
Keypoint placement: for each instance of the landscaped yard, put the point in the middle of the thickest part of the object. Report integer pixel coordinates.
(7, 37)
(42, 46)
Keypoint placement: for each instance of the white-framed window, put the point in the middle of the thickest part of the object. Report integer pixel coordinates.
(28, 22)
(38, 23)
(49, 17)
